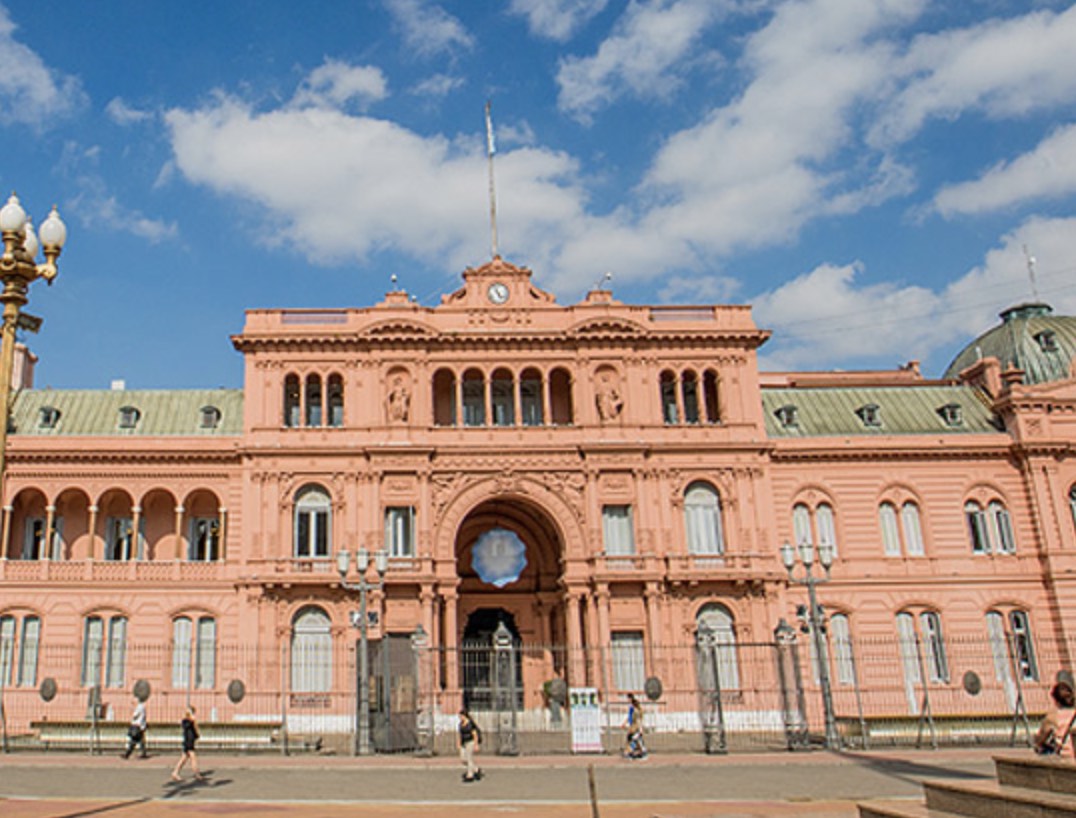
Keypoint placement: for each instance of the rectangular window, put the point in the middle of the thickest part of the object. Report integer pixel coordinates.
(205, 677)
(842, 649)
(913, 530)
(33, 545)
(181, 653)
(28, 651)
(118, 539)
(617, 531)
(400, 531)
(92, 641)
(629, 664)
(937, 662)
(980, 539)
(7, 648)
(1002, 524)
(887, 521)
(117, 652)
(908, 641)
(1023, 646)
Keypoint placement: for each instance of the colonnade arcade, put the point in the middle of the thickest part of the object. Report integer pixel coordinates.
(113, 525)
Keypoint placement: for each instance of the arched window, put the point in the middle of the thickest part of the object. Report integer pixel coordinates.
(1000, 524)
(560, 397)
(669, 411)
(313, 400)
(977, 529)
(474, 398)
(912, 528)
(990, 530)
(702, 519)
(530, 397)
(887, 522)
(194, 651)
(502, 398)
(843, 655)
(101, 651)
(689, 393)
(291, 401)
(827, 526)
(709, 395)
(336, 401)
(23, 648)
(801, 524)
(313, 519)
(721, 656)
(311, 652)
(444, 398)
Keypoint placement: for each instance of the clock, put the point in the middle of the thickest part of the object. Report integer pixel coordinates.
(497, 292)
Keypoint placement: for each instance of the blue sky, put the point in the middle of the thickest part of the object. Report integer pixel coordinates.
(865, 173)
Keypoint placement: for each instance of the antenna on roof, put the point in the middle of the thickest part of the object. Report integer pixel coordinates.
(392, 278)
(491, 149)
(1031, 273)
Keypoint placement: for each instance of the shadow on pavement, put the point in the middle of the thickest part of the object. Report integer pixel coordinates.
(911, 771)
(106, 808)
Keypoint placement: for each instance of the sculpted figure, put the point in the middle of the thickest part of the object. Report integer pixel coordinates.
(398, 402)
(610, 403)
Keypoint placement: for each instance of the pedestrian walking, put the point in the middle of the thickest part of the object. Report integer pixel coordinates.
(190, 735)
(1055, 734)
(136, 730)
(633, 730)
(470, 741)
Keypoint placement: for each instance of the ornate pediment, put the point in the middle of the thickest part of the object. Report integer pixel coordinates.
(398, 328)
(606, 326)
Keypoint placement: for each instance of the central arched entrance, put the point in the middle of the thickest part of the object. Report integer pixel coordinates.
(508, 560)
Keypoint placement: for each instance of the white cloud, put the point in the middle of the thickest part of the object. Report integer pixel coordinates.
(96, 208)
(335, 84)
(335, 186)
(30, 92)
(1046, 172)
(557, 19)
(642, 57)
(427, 28)
(439, 85)
(825, 315)
(123, 114)
(1004, 68)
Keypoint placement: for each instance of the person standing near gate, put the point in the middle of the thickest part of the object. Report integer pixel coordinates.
(633, 730)
(190, 735)
(470, 741)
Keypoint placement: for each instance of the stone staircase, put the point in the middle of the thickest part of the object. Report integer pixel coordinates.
(1026, 787)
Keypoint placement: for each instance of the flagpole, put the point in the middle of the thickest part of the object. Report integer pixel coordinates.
(491, 149)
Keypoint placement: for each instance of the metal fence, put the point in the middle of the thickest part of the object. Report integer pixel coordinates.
(709, 696)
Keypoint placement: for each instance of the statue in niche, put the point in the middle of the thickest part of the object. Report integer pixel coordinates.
(398, 402)
(608, 397)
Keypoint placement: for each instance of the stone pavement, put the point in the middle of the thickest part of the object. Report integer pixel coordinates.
(775, 785)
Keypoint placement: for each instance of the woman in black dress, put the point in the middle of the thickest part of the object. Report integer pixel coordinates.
(190, 736)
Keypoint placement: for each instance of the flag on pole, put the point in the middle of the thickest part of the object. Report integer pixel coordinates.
(491, 147)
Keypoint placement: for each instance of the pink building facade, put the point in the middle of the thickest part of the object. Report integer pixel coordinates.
(605, 480)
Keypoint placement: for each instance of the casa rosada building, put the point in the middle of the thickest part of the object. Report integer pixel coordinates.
(602, 478)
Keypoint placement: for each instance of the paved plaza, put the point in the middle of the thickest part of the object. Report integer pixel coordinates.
(807, 785)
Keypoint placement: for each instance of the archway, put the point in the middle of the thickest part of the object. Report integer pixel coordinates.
(509, 553)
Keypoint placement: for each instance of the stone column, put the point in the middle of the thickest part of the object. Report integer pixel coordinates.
(50, 521)
(5, 537)
(179, 532)
(92, 552)
(136, 540)
(222, 534)
(575, 663)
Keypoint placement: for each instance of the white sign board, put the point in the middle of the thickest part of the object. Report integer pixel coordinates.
(586, 717)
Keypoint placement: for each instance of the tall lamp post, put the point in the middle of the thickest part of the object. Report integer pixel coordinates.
(18, 270)
(363, 586)
(805, 555)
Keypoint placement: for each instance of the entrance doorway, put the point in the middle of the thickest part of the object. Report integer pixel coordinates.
(477, 658)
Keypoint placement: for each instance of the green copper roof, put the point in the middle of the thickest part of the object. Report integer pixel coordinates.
(1029, 337)
(900, 410)
(99, 411)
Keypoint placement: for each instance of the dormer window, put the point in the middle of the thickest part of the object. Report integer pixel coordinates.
(210, 417)
(952, 414)
(129, 416)
(1047, 340)
(870, 414)
(787, 415)
(48, 417)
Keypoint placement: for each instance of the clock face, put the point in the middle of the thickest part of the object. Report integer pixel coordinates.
(498, 293)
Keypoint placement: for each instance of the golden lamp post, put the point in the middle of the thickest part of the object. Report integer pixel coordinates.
(19, 269)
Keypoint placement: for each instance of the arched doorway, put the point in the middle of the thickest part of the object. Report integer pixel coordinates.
(508, 560)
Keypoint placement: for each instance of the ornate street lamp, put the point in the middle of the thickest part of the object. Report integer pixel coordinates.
(805, 555)
(18, 270)
(363, 586)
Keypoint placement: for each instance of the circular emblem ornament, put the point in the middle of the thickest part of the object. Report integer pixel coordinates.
(48, 689)
(558, 690)
(141, 690)
(236, 691)
(653, 688)
(497, 292)
(972, 683)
